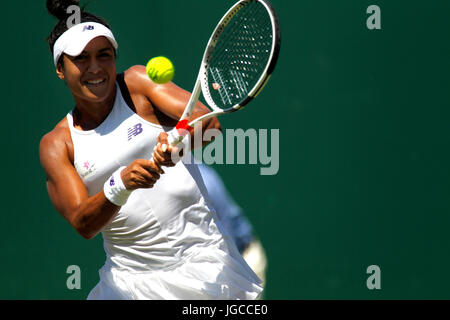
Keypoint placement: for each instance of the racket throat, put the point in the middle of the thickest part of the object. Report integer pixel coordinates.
(192, 101)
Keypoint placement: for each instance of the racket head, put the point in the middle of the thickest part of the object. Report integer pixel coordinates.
(241, 55)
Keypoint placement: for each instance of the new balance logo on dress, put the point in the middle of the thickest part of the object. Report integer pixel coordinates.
(134, 131)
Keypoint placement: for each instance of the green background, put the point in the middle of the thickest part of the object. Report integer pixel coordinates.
(364, 145)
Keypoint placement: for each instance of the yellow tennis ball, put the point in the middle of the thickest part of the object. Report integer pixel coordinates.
(160, 69)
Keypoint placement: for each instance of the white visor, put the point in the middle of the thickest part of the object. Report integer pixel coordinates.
(74, 40)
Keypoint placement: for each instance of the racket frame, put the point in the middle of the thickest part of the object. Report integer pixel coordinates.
(201, 84)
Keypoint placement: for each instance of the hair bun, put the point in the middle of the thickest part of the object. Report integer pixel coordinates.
(58, 8)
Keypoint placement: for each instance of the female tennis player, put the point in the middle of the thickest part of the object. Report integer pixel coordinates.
(162, 240)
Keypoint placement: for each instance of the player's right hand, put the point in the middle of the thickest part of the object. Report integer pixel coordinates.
(141, 173)
(164, 154)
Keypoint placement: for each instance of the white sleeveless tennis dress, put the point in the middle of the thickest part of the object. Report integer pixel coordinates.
(165, 242)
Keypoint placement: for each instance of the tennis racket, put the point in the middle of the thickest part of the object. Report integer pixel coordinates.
(238, 61)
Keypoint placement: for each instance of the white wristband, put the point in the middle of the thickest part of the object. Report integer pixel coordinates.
(115, 190)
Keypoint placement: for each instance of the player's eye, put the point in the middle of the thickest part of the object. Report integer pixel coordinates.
(104, 55)
(81, 57)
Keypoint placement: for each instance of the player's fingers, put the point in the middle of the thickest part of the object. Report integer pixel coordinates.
(141, 173)
(158, 165)
(170, 149)
(136, 176)
(163, 138)
(144, 181)
(150, 172)
(164, 147)
(151, 166)
(163, 156)
(159, 159)
(147, 178)
(154, 168)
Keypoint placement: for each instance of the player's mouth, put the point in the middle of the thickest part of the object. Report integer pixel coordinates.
(95, 82)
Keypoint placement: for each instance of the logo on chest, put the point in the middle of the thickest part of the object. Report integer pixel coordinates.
(85, 168)
(134, 131)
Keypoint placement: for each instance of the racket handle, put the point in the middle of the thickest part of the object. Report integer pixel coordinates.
(173, 137)
(176, 135)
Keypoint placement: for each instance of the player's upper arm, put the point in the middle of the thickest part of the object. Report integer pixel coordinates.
(64, 185)
(168, 98)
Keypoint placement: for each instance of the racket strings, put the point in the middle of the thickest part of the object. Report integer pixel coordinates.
(241, 55)
(242, 48)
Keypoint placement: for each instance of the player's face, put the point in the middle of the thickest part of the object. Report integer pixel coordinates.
(92, 74)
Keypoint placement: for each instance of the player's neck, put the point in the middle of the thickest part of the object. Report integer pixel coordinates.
(88, 115)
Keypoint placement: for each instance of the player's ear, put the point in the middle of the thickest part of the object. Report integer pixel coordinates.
(60, 70)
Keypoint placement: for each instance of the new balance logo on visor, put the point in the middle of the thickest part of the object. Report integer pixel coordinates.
(134, 131)
(112, 182)
(88, 28)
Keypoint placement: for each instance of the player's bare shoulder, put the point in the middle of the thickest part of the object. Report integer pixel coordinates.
(140, 88)
(56, 145)
(137, 80)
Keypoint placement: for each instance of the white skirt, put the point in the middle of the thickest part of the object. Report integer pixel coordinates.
(206, 275)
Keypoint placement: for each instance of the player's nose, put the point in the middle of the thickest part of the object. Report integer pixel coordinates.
(93, 66)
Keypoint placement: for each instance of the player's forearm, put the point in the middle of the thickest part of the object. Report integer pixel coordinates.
(204, 127)
(95, 212)
(93, 215)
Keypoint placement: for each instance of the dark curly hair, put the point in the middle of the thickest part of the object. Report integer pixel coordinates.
(58, 9)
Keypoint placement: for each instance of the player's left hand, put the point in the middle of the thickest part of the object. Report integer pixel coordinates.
(165, 154)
